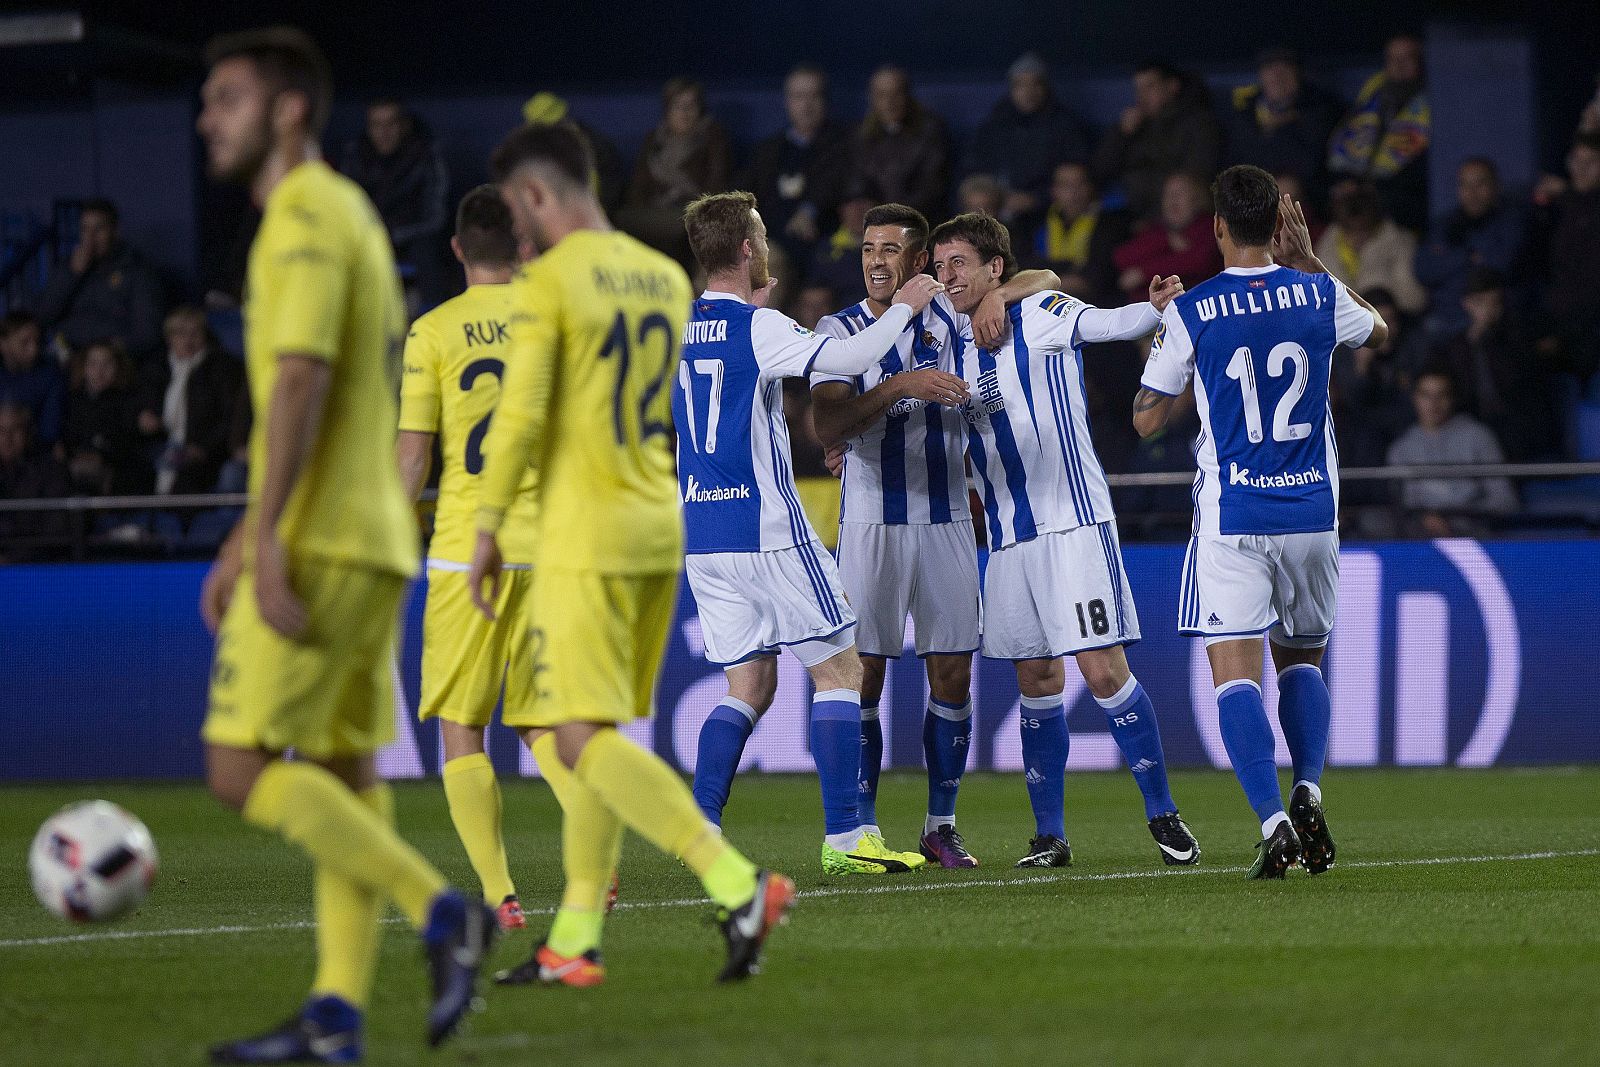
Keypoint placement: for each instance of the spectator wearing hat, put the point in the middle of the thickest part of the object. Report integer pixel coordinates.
(1281, 122)
(1027, 133)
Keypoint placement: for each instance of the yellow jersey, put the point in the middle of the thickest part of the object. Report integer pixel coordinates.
(455, 357)
(595, 327)
(321, 282)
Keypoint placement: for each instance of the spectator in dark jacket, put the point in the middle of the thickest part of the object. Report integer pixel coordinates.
(1385, 136)
(187, 408)
(1481, 231)
(1570, 259)
(1282, 122)
(902, 152)
(1077, 237)
(836, 265)
(1027, 133)
(1180, 243)
(101, 442)
(399, 166)
(799, 173)
(29, 381)
(1168, 128)
(107, 290)
(685, 156)
(26, 473)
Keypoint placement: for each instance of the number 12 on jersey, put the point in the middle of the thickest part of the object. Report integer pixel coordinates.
(1243, 370)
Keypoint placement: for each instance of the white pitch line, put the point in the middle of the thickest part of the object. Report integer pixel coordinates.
(817, 894)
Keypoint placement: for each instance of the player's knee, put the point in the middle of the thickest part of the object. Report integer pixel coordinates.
(1040, 677)
(230, 789)
(1104, 674)
(873, 669)
(842, 671)
(950, 678)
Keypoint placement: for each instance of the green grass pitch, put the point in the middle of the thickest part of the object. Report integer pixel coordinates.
(1461, 926)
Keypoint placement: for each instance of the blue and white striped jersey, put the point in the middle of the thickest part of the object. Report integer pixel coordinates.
(909, 469)
(1258, 343)
(1028, 422)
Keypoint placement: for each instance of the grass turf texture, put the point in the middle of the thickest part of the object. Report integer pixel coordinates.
(1453, 962)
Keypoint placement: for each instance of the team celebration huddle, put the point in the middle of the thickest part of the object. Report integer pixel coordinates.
(601, 428)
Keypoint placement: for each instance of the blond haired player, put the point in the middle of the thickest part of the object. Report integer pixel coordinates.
(305, 594)
(595, 332)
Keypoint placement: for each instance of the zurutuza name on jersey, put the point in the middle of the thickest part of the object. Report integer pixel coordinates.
(704, 331)
(1238, 475)
(698, 494)
(1281, 298)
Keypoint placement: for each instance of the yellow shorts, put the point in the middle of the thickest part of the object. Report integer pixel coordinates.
(328, 694)
(465, 657)
(595, 645)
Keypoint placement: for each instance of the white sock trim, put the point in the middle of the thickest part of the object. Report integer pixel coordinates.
(1041, 703)
(933, 822)
(1316, 790)
(1225, 686)
(869, 712)
(961, 714)
(848, 696)
(1120, 696)
(1299, 667)
(741, 707)
(1272, 824)
(846, 841)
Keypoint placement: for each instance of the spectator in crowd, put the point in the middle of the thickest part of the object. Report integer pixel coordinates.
(1180, 242)
(1028, 132)
(1168, 128)
(1371, 394)
(902, 152)
(108, 290)
(1281, 123)
(1569, 224)
(1295, 188)
(610, 176)
(399, 166)
(100, 442)
(187, 408)
(29, 381)
(799, 173)
(1448, 507)
(684, 156)
(1076, 236)
(26, 473)
(981, 193)
(814, 303)
(1481, 231)
(837, 263)
(1385, 135)
(1365, 249)
(1502, 380)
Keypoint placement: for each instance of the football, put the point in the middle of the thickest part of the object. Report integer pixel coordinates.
(92, 861)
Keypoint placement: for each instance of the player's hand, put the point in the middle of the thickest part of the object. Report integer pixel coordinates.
(918, 293)
(275, 597)
(1164, 291)
(1291, 245)
(932, 386)
(990, 323)
(833, 456)
(216, 592)
(762, 297)
(486, 564)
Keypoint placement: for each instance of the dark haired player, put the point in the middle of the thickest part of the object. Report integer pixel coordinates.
(1055, 585)
(1257, 341)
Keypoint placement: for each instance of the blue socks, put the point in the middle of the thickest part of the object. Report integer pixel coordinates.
(722, 741)
(1248, 738)
(836, 748)
(1044, 759)
(946, 737)
(1133, 725)
(1304, 713)
(871, 764)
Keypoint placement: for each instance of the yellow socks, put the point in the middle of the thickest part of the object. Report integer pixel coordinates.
(591, 845)
(309, 806)
(653, 801)
(473, 793)
(348, 935)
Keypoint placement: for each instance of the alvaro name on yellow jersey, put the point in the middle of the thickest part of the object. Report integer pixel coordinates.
(455, 359)
(321, 282)
(595, 328)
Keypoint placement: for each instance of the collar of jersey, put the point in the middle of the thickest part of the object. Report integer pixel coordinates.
(711, 294)
(1249, 271)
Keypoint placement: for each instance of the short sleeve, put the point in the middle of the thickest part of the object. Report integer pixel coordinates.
(783, 348)
(1171, 362)
(831, 326)
(419, 383)
(308, 255)
(1352, 322)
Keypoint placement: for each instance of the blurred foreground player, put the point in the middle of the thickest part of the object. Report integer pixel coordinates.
(306, 592)
(1258, 340)
(584, 412)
